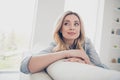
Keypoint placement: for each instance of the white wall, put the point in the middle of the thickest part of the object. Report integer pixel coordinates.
(47, 13)
(99, 25)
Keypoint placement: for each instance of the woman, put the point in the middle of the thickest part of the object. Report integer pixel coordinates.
(70, 44)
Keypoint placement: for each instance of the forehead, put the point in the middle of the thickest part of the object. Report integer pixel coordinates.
(71, 17)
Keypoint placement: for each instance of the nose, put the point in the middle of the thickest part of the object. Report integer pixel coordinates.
(72, 27)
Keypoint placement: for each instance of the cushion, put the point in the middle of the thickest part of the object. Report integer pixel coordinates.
(61, 70)
(40, 76)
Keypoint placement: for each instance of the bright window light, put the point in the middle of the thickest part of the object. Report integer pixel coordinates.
(16, 19)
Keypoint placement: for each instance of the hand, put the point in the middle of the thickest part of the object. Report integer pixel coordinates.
(78, 53)
(75, 60)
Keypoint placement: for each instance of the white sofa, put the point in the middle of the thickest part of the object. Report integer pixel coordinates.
(40, 76)
(61, 70)
(36, 76)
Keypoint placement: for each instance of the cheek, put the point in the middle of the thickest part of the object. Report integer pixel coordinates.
(64, 31)
(78, 32)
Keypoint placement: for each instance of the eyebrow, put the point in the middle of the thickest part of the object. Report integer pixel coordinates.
(69, 21)
(66, 20)
(76, 21)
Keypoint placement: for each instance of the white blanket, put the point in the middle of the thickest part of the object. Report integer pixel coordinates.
(61, 70)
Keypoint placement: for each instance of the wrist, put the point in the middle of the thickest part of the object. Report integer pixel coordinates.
(63, 54)
(66, 54)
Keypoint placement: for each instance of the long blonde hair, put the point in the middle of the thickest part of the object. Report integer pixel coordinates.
(61, 45)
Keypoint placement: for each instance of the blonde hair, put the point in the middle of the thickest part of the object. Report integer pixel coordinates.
(61, 45)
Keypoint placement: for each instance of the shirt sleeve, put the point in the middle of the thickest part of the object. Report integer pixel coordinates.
(94, 58)
(24, 65)
(25, 61)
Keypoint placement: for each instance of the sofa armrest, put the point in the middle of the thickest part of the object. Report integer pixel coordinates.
(36, 76)
(40, 76)
(24, 76)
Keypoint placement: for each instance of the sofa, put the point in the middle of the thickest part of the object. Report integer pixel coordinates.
(61, 70)
(36, 76)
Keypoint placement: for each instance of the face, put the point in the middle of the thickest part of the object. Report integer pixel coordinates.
(70, 28)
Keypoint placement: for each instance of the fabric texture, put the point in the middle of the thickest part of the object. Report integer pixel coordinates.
(62, 70)
(40, 76)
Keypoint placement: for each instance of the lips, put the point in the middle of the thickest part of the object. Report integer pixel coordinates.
(71, 33)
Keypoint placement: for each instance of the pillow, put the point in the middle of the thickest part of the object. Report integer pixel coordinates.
(61, 70)
(40, 76)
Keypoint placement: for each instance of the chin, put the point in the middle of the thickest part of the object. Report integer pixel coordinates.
(72, 38)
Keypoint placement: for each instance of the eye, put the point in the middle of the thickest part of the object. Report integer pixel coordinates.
(66, 24)
(76, 24)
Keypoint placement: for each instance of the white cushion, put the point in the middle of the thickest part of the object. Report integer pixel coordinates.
(40, 76)
(61, 70)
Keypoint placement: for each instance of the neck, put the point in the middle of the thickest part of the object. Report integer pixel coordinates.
(70, 44)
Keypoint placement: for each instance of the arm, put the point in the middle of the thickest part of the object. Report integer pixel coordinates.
(41, 61)
(38, 63)
(31, 63)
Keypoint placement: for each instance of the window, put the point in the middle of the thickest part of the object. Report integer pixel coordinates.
(16, 19)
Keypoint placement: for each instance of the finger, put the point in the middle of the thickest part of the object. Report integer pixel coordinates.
(86, 61)
(77, 60)
(81, 62)
(72, 60)
(69, 59)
